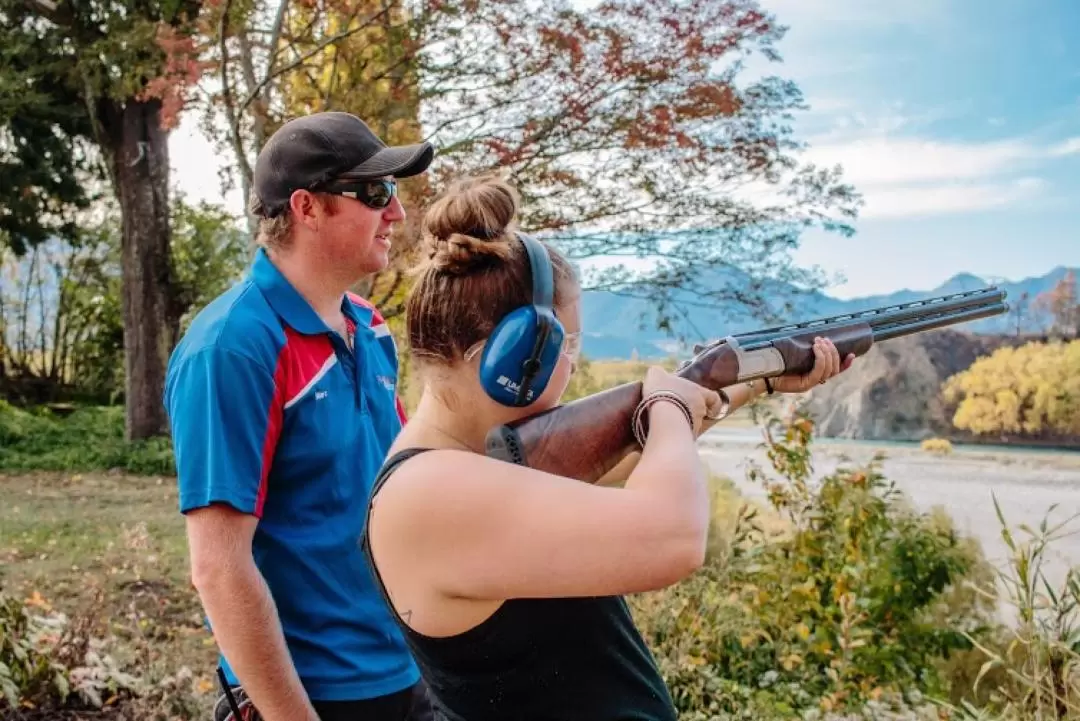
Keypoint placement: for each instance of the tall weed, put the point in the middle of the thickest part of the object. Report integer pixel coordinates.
(1031, 671)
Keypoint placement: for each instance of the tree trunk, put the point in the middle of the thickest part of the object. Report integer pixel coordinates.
(139, 155)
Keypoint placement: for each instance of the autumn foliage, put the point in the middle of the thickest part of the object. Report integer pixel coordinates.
(1062, 306)
(1030, 392)
(629, 127)
(180, 72)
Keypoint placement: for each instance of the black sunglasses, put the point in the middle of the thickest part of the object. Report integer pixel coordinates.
(375, 194)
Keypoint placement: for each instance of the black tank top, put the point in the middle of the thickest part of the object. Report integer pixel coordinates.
(562, 659)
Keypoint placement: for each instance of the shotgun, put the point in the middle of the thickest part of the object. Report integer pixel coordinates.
(587, 437)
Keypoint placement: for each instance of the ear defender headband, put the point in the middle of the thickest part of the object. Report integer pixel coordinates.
(522, 351)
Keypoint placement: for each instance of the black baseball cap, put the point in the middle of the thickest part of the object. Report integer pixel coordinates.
(313, 149)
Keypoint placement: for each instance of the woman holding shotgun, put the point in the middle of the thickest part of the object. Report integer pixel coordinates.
(507, 581)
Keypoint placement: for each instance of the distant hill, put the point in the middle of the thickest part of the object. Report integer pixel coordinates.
(618, 327)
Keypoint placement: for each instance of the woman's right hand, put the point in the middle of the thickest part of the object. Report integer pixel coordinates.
(700, 399)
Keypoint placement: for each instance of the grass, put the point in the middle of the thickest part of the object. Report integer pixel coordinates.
(70, 542)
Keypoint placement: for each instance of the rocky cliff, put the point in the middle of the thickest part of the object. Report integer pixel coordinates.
(894, 391)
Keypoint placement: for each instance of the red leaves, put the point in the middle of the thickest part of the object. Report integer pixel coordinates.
(651, 129)
(564, 42)
(504, 154)
(182, 70)
(709, 100)
(634, 82)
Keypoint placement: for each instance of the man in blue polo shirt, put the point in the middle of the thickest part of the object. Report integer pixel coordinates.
(282, 400)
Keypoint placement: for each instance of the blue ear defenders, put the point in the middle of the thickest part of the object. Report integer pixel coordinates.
(522, 351)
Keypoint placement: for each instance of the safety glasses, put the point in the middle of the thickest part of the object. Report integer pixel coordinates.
(376, 194)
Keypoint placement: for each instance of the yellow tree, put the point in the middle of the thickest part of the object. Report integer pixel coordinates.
(370, 72)
(1032, 391)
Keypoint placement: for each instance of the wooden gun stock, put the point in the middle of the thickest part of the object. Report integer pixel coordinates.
(586, 438)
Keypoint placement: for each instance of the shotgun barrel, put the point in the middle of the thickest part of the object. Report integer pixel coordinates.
(918, 325)
(948, 306)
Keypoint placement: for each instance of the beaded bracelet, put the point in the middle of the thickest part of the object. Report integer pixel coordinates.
(638, 421)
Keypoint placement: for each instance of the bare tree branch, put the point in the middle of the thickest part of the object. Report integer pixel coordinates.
(270, 76)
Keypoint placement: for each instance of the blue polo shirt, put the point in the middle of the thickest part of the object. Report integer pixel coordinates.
(272, 414)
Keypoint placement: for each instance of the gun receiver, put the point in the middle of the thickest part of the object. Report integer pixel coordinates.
(586, 438)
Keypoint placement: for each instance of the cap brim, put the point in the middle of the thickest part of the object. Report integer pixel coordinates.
(400, 161)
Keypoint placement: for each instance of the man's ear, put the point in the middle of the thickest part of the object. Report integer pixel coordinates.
(306, 208)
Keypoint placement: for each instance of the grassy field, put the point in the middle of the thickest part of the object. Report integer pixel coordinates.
(109, 550)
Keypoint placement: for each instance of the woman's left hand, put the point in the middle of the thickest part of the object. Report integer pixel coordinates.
(827, 364)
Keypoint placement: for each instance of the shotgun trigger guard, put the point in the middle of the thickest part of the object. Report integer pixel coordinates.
(757, 363)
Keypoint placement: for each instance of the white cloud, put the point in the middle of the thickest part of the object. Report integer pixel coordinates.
(914, 201)
(901, 170)
(1069, 147)
(887, 160)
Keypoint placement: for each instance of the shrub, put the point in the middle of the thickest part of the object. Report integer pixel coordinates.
(858, 603)
(1032, 671)
(90, 439)
(940, 446)
(53, 666)
(47, 661)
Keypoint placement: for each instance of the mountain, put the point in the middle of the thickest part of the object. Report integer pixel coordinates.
(618, 327)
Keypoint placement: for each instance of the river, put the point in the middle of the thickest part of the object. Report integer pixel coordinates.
(1026, 483)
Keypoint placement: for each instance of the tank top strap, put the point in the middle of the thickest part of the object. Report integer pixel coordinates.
(390, 465)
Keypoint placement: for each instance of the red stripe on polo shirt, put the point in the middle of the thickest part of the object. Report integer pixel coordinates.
(302, 361)
(273, 430)
(307, 358)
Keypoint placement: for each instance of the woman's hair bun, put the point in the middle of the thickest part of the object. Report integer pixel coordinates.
(471, 224)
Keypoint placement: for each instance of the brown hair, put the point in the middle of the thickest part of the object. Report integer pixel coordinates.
(276, 233)
(476, 271)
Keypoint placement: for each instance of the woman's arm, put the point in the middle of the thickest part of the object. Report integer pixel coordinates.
(476, 528)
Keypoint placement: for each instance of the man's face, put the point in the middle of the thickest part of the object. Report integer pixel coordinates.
(351, 238)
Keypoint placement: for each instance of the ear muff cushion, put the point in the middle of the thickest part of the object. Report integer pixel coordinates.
(505, 362)
(523, 349)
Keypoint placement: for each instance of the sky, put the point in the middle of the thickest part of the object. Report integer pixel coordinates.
(957, 120)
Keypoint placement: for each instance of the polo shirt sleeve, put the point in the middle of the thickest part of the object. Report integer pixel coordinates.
(225, 412)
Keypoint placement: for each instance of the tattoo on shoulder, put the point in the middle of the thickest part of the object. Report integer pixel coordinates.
(406, 616)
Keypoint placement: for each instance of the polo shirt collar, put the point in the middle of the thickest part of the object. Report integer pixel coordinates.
(293, 307)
